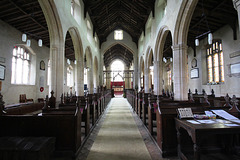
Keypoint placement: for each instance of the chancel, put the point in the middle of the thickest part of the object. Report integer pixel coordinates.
(136, 79)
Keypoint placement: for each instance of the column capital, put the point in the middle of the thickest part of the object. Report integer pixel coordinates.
(236, 4)
(179, 47)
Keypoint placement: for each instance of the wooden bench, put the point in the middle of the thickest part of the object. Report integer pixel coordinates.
(66, 128)
(21, 109)
(27, 148)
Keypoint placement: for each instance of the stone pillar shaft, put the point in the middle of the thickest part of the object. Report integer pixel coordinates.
(146, 79)
(157, 78)
(180, 72)
(79, 78)
(90, 80)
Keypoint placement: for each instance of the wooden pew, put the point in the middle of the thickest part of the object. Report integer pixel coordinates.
(96, 105)
(66, 128)
(144, 107)
(136, 103)
(90, 103)
(22, 109)
(153, 101)
(166, 132)
(152, 107)
(140, 100)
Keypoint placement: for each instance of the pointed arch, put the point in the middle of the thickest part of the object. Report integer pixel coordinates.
(149, 57)
(162, 35)
(183, 21)
(88, 65)
(56, 47)
(77, 43)
(78, 52)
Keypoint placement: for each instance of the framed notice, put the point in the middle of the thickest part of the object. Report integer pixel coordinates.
(194, 73)
(234, 70)
(2, 72)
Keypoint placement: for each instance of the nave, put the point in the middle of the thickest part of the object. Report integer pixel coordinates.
(121, 135)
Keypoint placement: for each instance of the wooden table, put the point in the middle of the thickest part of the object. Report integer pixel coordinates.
(199, 134)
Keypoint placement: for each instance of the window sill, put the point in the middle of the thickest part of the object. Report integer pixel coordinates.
(213, 83)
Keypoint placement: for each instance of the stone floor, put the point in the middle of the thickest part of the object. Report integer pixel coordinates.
(148, 140)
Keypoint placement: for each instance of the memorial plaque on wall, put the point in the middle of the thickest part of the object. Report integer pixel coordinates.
(2, 72)
(194, 73)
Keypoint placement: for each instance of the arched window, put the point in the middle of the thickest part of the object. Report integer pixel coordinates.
(21, 62)
(117, 66)
(215, 63)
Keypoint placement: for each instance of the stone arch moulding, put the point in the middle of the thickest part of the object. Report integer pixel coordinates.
(183, 21)
(77, 43)
(124, 45)
(149, 55)
(89, 64)
(53, 22)
(180, 49)
(162, 35)
(141, 64)
(56, 47)
(78, 51)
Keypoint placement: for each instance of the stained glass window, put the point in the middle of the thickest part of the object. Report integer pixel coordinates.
(215, 63)
(20, 66)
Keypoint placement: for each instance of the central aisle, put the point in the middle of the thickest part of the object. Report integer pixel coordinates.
(119, 137)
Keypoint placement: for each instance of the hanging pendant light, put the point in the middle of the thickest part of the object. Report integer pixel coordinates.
(210, 38)
(197, 42)
(24, 37)
(40, 42)
(28, 42)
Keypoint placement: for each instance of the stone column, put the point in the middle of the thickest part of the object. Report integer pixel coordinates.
(180, 84)
(135, 75)
(57, 72)
(157, 78)
(79, 78)
(90, 80)
(146, 83)
(236, 4)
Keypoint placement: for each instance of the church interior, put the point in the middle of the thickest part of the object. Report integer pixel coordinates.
(119, 79)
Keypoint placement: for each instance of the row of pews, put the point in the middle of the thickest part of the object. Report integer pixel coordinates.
(69, 122)
(158, 113)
